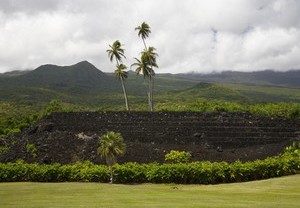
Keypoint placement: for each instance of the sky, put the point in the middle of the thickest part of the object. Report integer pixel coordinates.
(190, 35)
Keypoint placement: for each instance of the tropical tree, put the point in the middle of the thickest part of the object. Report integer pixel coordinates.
(142, 66)
(150, 57)
(121, 75)
(116, 52)
(111, 145)
(143, 32)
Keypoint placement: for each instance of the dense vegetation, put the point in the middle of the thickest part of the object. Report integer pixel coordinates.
(187, 173)
(14, 117)
(172, 93)
(84, 84)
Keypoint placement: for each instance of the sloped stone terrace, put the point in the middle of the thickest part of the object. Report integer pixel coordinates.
(71, 137)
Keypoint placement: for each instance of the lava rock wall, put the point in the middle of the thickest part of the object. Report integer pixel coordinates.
(71, 137)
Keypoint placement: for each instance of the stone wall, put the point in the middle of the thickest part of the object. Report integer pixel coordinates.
(71, 137)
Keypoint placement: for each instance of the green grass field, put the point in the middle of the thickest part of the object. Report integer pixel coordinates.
(278, 192)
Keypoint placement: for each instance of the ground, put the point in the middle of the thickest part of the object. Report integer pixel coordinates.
(281, 192)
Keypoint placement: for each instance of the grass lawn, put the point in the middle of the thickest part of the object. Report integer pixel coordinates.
(278, 192)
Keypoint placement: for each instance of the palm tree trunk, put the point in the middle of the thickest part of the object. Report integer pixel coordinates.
(111, 174)
(150, 98)
(124, 90)
(152, 87)
(149, 94)
(125, 94)
(144, 44)
(151, 91)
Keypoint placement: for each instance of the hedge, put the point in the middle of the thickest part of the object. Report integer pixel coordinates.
(183, 173)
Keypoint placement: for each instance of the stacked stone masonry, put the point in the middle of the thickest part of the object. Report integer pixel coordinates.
(71, 137)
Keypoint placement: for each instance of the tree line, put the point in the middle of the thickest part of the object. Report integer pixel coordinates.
(143, 65)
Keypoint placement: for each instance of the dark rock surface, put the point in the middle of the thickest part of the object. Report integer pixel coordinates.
(71, 137)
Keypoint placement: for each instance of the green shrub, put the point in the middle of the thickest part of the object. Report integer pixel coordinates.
(88, 172)
(31, 149)
(131, 173)
(294, 148)
(178, 156)
(186, 173)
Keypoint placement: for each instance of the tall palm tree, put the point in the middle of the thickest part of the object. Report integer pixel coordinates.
(116, 52)
(111, 145)
(142, 67)
(150, 57)
(143, 32)
(121, 75)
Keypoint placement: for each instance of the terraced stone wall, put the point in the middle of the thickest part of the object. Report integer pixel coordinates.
(71, 137)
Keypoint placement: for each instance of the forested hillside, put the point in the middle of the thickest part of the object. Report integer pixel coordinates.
(84, 84)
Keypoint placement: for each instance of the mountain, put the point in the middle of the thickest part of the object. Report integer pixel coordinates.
(84, 84)
(267, 77)
(214, 91)
(246, 93)
(71, 83)
(13, 73)
(82, 74)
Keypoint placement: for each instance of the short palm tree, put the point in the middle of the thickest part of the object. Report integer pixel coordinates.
(116, 52)
(111, 145)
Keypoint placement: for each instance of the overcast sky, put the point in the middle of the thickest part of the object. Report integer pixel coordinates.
(189, 35)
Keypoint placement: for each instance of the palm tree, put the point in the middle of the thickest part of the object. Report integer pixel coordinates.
(143, 32)
(117, 52)
(150, 57)
(121, 74)
(111, 146)
(142, 66)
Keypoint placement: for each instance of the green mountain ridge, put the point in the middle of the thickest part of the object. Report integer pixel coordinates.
(81, 74)
(84, 84)
(267, 77)
(245, 93)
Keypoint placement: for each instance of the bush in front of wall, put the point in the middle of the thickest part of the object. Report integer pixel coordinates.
(204, 172)
(178, 157)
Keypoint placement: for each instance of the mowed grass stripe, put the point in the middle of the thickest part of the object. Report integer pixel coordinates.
(278, 192)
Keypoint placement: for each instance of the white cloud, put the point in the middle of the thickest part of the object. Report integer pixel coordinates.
(190, 35)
